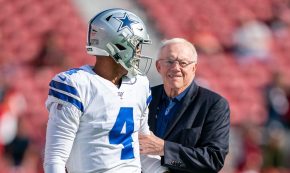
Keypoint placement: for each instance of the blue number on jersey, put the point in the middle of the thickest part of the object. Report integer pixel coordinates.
(116, 136)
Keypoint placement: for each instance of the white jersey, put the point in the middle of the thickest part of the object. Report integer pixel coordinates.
(93, 125)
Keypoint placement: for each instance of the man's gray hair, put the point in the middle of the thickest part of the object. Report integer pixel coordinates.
(180, 40)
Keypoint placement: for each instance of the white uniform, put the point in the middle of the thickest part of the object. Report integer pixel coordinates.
(93, 125)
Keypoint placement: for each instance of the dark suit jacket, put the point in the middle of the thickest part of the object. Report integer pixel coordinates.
(198, 137)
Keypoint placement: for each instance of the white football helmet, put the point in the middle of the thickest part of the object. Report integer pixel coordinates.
(120, 34)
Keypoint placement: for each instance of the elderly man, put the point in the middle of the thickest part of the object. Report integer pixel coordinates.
(190, 124)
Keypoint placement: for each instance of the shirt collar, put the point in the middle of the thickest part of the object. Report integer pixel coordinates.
(178, 97)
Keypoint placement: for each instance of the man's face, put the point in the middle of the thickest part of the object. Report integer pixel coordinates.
(176, 66)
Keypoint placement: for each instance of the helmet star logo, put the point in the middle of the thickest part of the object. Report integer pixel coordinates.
(126, 22)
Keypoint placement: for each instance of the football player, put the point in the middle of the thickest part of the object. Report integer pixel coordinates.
(96, 112)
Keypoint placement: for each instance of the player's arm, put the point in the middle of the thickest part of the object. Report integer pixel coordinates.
(149, 163)
(62, 126)
(61, 129)
(152, 164)
(144, 127)
(65, 109)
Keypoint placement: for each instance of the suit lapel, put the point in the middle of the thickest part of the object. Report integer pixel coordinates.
(188, 98)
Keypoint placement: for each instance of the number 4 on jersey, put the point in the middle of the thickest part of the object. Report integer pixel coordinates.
(116, 136)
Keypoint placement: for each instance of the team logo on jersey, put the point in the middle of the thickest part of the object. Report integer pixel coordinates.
(120, 94)
(126, 22)
(63, 78)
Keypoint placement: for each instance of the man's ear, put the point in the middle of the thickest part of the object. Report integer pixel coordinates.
(157, 64)
(194, 68)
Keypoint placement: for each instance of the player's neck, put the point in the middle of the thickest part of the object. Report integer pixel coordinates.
(108, 69)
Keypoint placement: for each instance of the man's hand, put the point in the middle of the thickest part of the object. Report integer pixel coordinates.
(151, 144)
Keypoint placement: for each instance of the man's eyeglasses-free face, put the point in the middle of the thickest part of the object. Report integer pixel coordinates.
(170, 63)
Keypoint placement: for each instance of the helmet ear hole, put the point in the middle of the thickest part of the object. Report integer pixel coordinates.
(120, 47)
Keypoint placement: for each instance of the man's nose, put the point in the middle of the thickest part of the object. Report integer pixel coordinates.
(175, 64)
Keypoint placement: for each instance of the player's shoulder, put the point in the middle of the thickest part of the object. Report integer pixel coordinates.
(69, 87)
(138, 83)
(74, 81)
(142, 80)
(73, 77)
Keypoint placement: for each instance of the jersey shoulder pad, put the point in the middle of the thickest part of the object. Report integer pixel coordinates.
(65, 88)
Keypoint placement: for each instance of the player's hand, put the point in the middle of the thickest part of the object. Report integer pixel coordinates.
(151, 144)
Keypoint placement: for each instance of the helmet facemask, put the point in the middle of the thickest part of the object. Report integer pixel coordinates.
(128, 54)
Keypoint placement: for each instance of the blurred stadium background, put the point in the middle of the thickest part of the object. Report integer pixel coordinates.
(244, 54)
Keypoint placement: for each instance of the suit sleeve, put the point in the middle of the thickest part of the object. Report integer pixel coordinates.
(212, 146)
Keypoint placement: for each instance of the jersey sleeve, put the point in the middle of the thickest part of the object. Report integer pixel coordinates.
(65, 109)
(152, 164)
(144, 127)
(62, 126)
(149, 163)
(64, 89)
